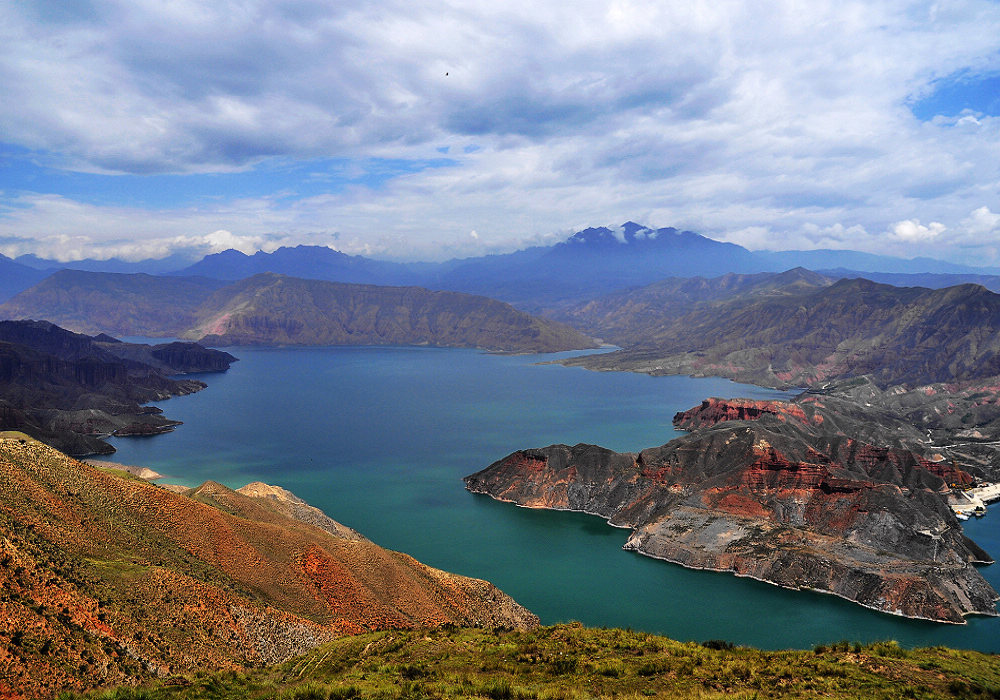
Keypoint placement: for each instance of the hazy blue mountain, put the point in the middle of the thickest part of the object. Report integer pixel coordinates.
(111, 302)
(151, 266)
(305, 262)
(590, 264)
(15, 277)
(930, 280)
(593, 262)
(856, 261)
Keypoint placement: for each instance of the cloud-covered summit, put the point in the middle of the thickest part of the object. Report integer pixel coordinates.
(784, 125)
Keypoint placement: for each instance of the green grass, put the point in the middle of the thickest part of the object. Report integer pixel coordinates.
(567, 662)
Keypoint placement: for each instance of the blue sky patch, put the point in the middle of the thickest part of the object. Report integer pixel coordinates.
(22, 170)
(959, 92)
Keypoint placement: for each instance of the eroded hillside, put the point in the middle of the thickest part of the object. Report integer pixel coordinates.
(108, 579)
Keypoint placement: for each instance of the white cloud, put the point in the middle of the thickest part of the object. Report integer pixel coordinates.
(982, 222)
(221, 240)
(913, 230)
(777, 126)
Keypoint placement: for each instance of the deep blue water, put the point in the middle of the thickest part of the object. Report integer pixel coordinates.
(379, 438)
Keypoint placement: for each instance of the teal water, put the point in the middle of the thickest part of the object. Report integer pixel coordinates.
(379, 438)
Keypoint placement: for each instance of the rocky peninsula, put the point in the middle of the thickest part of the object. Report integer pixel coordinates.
(820, 493)
(70, 390)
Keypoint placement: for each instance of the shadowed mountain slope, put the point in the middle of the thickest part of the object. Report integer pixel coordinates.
(271, 309)
(69, 389)
(15, 277)
(628, 317)
(109, 579)
(804, 335)
(118, 304)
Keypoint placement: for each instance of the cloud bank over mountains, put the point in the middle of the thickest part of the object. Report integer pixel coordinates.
(133, 128)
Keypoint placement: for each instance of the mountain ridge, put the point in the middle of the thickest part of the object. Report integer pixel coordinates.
(605, 258)
(275, 309)
(806, 334)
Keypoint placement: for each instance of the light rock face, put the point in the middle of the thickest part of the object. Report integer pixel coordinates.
(294, 507)
(767, 490)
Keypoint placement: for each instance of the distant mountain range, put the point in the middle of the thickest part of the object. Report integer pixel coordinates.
(15, 277)
(273, 309)
(306, 262)
(591, 263)
(150, 266)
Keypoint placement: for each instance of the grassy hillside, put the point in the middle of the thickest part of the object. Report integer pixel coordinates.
(569, 661)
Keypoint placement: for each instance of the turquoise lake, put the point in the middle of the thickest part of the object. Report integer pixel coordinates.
(380, 438)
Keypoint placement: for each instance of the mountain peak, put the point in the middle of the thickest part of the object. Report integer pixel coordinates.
(631, 233)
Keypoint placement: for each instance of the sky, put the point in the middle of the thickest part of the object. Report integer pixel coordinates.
(431, 130)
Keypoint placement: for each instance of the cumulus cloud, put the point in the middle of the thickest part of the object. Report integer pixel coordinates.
(61, 229)
(913, 230)
(982, 222)
(220, 240)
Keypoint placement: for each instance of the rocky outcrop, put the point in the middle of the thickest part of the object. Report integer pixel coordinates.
(712, 411)
(111, 580)
(778, 492)
(172, 358)
(290, 505)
